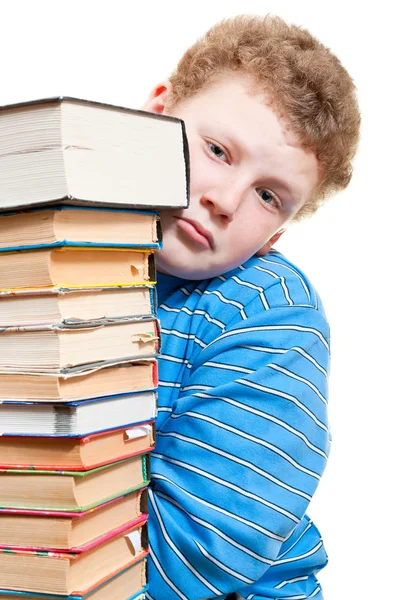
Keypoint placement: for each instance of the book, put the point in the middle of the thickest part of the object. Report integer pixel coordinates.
(121, 586)
(67, 149)
(79, 226)
(77, 267)
(47, 349)
(73, 532)
(76, 453)
(74, 491)
(77, 418)
(79, 384)
(59, 305)
(70, 573)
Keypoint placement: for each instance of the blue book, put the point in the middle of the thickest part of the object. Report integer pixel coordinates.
(79, 418)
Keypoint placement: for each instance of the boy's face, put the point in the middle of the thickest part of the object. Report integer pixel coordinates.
(249, 177)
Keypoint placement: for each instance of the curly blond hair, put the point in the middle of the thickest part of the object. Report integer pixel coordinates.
(302, 79)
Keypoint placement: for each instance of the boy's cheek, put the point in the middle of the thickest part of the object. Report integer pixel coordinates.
(167, 217)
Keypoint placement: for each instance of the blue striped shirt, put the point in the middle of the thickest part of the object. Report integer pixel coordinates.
(242, 435)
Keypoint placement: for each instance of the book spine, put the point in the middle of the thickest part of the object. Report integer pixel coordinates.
(68, 244)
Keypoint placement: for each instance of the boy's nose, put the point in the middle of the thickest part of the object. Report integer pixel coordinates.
(223, 202)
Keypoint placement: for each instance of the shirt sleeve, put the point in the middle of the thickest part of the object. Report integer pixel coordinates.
(240, 455)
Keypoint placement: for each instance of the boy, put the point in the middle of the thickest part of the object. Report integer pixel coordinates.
(272, 124)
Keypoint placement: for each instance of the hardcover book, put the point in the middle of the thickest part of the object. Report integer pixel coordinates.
(76, 418)
(80, 383)
(75, 453)
(96, 540)
(77, 267)
(74, 491)
(70, 150)
(49, 349)
(79, 226)
(70, 573)
(65, 305)
(65, 531)
(128, 584)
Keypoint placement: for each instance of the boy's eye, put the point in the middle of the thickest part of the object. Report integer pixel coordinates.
(217, 150)
(269, 198)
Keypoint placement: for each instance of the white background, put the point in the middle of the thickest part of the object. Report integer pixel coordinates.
(355, 249)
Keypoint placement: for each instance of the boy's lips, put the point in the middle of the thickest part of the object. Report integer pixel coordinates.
(196, 232)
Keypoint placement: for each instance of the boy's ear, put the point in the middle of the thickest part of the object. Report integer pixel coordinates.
(267, 246)
(158, 98)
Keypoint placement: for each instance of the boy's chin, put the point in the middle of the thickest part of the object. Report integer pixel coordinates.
(191, 272)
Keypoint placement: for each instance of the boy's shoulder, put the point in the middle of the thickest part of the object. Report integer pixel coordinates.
(264, 292)
(272, 278)
(254, 291)
(262, 282)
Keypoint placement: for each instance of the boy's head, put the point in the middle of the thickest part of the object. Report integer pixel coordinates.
(272, 124)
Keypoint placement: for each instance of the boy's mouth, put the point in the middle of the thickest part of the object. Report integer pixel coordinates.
(196, 232)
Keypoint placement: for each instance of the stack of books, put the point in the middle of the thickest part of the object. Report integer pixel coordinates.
(78, 342)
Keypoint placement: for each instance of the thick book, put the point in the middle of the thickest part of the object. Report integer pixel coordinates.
(128, 584)
(79, 152)
(60, 305)
(71, 532)
(76, 453)
(70, 573)
(74, 491)
(79, 226)
(77, 267)
(77, 418)
(70, 384)
(47, 349)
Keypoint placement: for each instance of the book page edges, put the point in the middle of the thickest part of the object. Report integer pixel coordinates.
(132, 530)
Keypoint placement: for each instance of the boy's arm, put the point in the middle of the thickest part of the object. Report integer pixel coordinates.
(240, 456)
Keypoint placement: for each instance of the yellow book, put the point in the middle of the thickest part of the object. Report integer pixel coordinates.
(76, 267)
